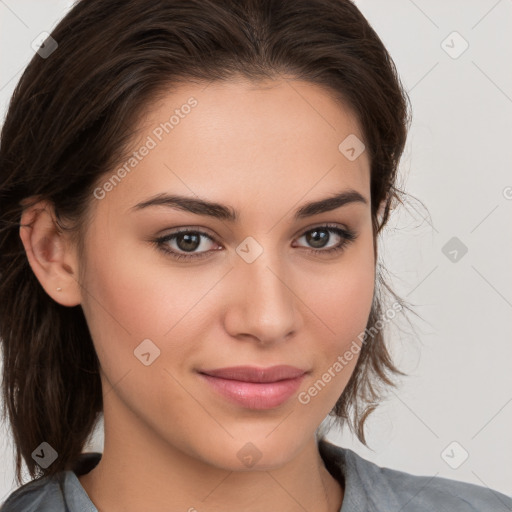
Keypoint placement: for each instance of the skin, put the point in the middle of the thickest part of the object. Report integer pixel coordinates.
(171, 442)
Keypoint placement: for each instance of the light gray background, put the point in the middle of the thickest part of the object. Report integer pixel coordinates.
(458, 163)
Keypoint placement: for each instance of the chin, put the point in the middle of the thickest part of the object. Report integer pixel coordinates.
(258, 452)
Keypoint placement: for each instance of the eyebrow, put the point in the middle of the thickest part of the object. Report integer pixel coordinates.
(228, 213)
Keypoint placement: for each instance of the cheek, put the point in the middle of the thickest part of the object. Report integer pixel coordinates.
(343, 306)
(133, 291)
(133, 295)
(341, 298)
(342, 295)
(130, 301)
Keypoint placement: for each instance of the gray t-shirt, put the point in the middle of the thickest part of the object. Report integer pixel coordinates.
(368, 488)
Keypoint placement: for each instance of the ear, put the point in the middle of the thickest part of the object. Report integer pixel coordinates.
(50, 253)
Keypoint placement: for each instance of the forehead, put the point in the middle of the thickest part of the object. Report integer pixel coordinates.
(240, 141)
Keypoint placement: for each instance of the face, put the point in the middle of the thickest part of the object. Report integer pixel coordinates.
(270, 287)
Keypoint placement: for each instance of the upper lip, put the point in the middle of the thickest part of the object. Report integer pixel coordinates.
(255, 374)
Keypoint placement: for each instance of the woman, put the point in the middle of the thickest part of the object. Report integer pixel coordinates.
(191, 197)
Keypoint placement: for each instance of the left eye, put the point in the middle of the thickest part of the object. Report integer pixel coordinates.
(318, 236)
(188, 240)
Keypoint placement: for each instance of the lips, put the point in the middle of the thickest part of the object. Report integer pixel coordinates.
(253, 374)
(254, 388)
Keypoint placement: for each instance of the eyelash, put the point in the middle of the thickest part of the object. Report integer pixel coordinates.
(161, 242)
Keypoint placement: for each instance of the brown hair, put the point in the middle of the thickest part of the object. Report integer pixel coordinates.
(68, 123)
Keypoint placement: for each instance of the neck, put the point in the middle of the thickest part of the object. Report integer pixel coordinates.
(132, 482)
(140, 470)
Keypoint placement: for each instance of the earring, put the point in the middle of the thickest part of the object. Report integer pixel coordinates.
(59, 289)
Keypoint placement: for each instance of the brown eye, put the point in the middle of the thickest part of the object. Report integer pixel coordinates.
(186, 241)
(320, 236)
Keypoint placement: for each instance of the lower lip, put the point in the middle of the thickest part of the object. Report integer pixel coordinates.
(255, 395)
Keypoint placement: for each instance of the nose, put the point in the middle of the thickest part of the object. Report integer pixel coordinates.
(262, 303)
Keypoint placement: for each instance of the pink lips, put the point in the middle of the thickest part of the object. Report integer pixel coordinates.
(255, 388)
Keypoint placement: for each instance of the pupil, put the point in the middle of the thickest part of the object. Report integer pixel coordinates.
(189, 239)
(313, 238)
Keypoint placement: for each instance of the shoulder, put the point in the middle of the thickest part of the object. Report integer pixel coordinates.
(426, 493)
(60, 493)
(41, 495)
(372, 487)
